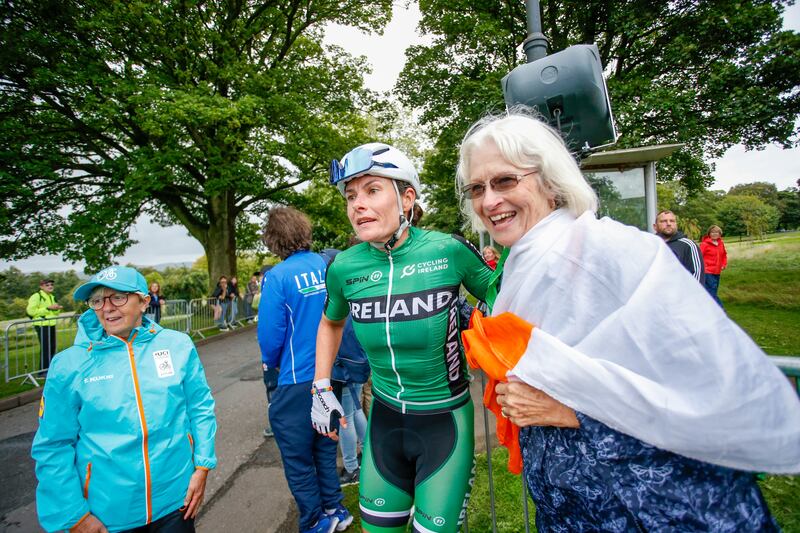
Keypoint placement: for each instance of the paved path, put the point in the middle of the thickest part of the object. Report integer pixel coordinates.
(247, 492)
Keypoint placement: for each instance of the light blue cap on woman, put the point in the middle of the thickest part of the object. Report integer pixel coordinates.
(120, 278)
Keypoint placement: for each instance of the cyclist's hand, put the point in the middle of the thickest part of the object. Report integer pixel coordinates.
(324, 407)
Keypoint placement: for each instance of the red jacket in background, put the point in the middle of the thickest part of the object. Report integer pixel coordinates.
(714, 255)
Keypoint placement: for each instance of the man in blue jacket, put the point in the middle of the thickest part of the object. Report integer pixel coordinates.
(292, 298)
(126, 420)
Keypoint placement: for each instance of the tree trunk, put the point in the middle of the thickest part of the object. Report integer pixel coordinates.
(220, 245)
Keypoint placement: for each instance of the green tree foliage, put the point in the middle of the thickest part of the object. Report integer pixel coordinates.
(746, 215)
(200, 113)
(388, 122)
(326, 208)
(766, 192)
(155, 277)
(182, 283)
(789, 206)
(252, 263)
(701, 209)
(708, 74)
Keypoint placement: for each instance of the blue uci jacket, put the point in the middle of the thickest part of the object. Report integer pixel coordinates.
(122, 427)
(292, 297)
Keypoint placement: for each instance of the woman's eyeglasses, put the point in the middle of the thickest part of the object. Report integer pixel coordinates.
(498, 184)
(117, 300)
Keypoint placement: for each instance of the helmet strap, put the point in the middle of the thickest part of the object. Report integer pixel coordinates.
(389, 245)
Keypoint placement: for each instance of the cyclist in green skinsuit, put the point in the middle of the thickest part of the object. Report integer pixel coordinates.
(401, 286)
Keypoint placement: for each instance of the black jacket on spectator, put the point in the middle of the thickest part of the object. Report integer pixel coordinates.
(688, 253)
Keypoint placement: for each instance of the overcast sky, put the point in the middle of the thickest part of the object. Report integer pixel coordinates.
(386, 53)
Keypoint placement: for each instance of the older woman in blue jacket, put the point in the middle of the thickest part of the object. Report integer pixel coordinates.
(126, 421)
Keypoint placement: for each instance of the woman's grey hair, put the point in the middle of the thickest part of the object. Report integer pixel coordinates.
(527, 142)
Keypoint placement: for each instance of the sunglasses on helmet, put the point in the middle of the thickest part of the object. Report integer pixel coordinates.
(357, 162)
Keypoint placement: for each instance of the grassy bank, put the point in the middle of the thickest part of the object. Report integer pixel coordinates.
(761, 291)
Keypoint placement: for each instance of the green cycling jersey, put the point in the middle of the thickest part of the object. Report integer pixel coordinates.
(405, 315)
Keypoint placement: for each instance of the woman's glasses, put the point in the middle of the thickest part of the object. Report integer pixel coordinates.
(498, 184)
(117, 300)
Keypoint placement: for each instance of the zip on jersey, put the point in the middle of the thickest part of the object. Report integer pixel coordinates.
(388, 335)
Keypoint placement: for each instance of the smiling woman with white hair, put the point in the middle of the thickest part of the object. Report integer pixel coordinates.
(641, 405)
(126, 422)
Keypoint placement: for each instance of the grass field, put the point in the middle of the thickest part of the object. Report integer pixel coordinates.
(760, 290)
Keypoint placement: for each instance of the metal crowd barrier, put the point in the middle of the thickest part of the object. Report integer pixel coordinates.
(244, 313)
(488, 442)
(175, 315)
(23, 354)
(202, 311)
(790, 365)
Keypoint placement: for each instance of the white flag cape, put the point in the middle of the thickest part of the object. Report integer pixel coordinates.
(624, 334)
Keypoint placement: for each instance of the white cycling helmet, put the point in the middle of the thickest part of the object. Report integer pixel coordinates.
(376, 159)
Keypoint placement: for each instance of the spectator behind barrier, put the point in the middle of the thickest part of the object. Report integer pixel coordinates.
(43, 308)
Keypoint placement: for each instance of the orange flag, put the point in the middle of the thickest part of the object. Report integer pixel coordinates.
(495, 344)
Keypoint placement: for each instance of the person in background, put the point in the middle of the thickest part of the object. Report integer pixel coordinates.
(126, 420)
(640, 406)
(491, 256)
(351, 368)
(350, 371)
(270, 375)
(715, 259)
(684, 248)
(253, 287)
(222, 303)
(235, 297)
(157, 303)
(293, 296)
(42, 307)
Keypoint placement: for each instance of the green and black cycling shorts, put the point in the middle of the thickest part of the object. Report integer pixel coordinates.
(420, 460)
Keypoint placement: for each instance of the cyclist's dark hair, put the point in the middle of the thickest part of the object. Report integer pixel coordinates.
(287, 231)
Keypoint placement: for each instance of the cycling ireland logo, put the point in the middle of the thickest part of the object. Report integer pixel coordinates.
(425, 267)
